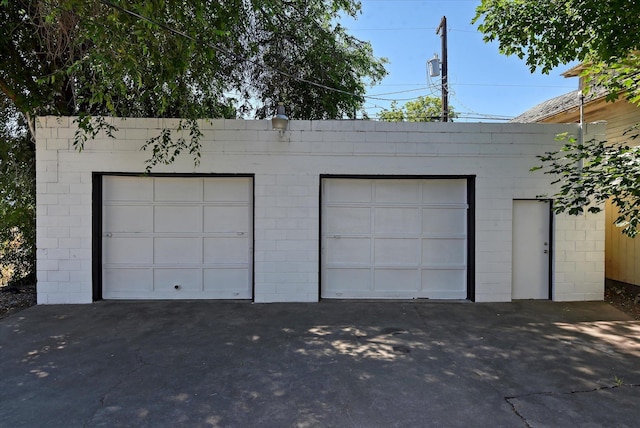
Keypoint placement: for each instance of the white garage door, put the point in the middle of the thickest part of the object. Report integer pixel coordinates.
(177, 237)
(394, 238)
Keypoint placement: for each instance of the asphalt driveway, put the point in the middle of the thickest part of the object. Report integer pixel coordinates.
(332, 364)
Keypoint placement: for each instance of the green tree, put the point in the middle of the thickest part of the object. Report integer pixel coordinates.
(394, 114)
(423, 109)
(603, 35)
(17, 196)
(170, 58)
(594, 172)
(182, 59)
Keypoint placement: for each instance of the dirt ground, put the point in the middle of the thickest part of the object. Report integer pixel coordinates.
(16, 298)
(625, 297)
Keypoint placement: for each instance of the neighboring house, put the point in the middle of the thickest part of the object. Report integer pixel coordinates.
(324, 210)
(622, 253)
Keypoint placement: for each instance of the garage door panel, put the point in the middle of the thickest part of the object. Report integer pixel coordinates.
(128, 280)
(396, 280)
(177, 250)
(227, 189)
(172, 189)
(444, 221)
(396, 252)
(128, 250)
(220, 219)
(226, 250)
(444, 284)
(397, 220)
(444, 191)
(347, 190)
(166, 280)
(224, 281)
(136, 189)
(194, 232)
(178, 219)
(394, 191)
(128, 219)
(444, 251)
(347, 220)
(349, 281)
(409, 240)
(348, 251)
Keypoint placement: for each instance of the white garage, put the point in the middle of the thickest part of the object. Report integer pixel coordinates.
(169, 237)
(394, 238)
(347, 209)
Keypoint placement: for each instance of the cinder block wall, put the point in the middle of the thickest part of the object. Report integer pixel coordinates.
(287, 173)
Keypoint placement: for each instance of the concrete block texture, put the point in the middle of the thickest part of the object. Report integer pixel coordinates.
(287, 171)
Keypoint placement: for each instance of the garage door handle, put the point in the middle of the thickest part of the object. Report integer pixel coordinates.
(337, 236)
(108, 235)
(239, 233)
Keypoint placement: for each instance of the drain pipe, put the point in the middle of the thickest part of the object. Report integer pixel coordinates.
(581, 98)
(581, 134)
(582, 124)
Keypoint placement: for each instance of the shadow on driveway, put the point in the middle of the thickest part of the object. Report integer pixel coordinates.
(333, 364)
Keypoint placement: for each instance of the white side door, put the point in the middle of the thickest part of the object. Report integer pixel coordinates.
(531, 249)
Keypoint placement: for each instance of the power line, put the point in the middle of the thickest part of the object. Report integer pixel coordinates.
(513, 85)
(410, 29)
(291, 76)
(465, 115)
(474, 115)
(401, 92)
(232, 54)
(421, 1)
(392, 29)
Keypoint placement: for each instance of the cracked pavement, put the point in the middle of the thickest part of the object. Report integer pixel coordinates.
(338, 364)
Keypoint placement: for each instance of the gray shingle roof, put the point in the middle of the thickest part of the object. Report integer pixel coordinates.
(556, 105)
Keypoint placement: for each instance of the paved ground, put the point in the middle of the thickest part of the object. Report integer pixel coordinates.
(332, 364)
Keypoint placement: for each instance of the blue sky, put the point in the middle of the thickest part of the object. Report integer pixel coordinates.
(482, 82)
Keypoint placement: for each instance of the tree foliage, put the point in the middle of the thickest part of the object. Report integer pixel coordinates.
(189, 60)
(169, 58)
(17, 196)
(593, 172)
(603, 35)
(423, 109)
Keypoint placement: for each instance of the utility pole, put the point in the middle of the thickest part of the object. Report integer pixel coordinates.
(442, 30)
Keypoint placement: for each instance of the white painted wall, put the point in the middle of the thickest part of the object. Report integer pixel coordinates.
(287, 181)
